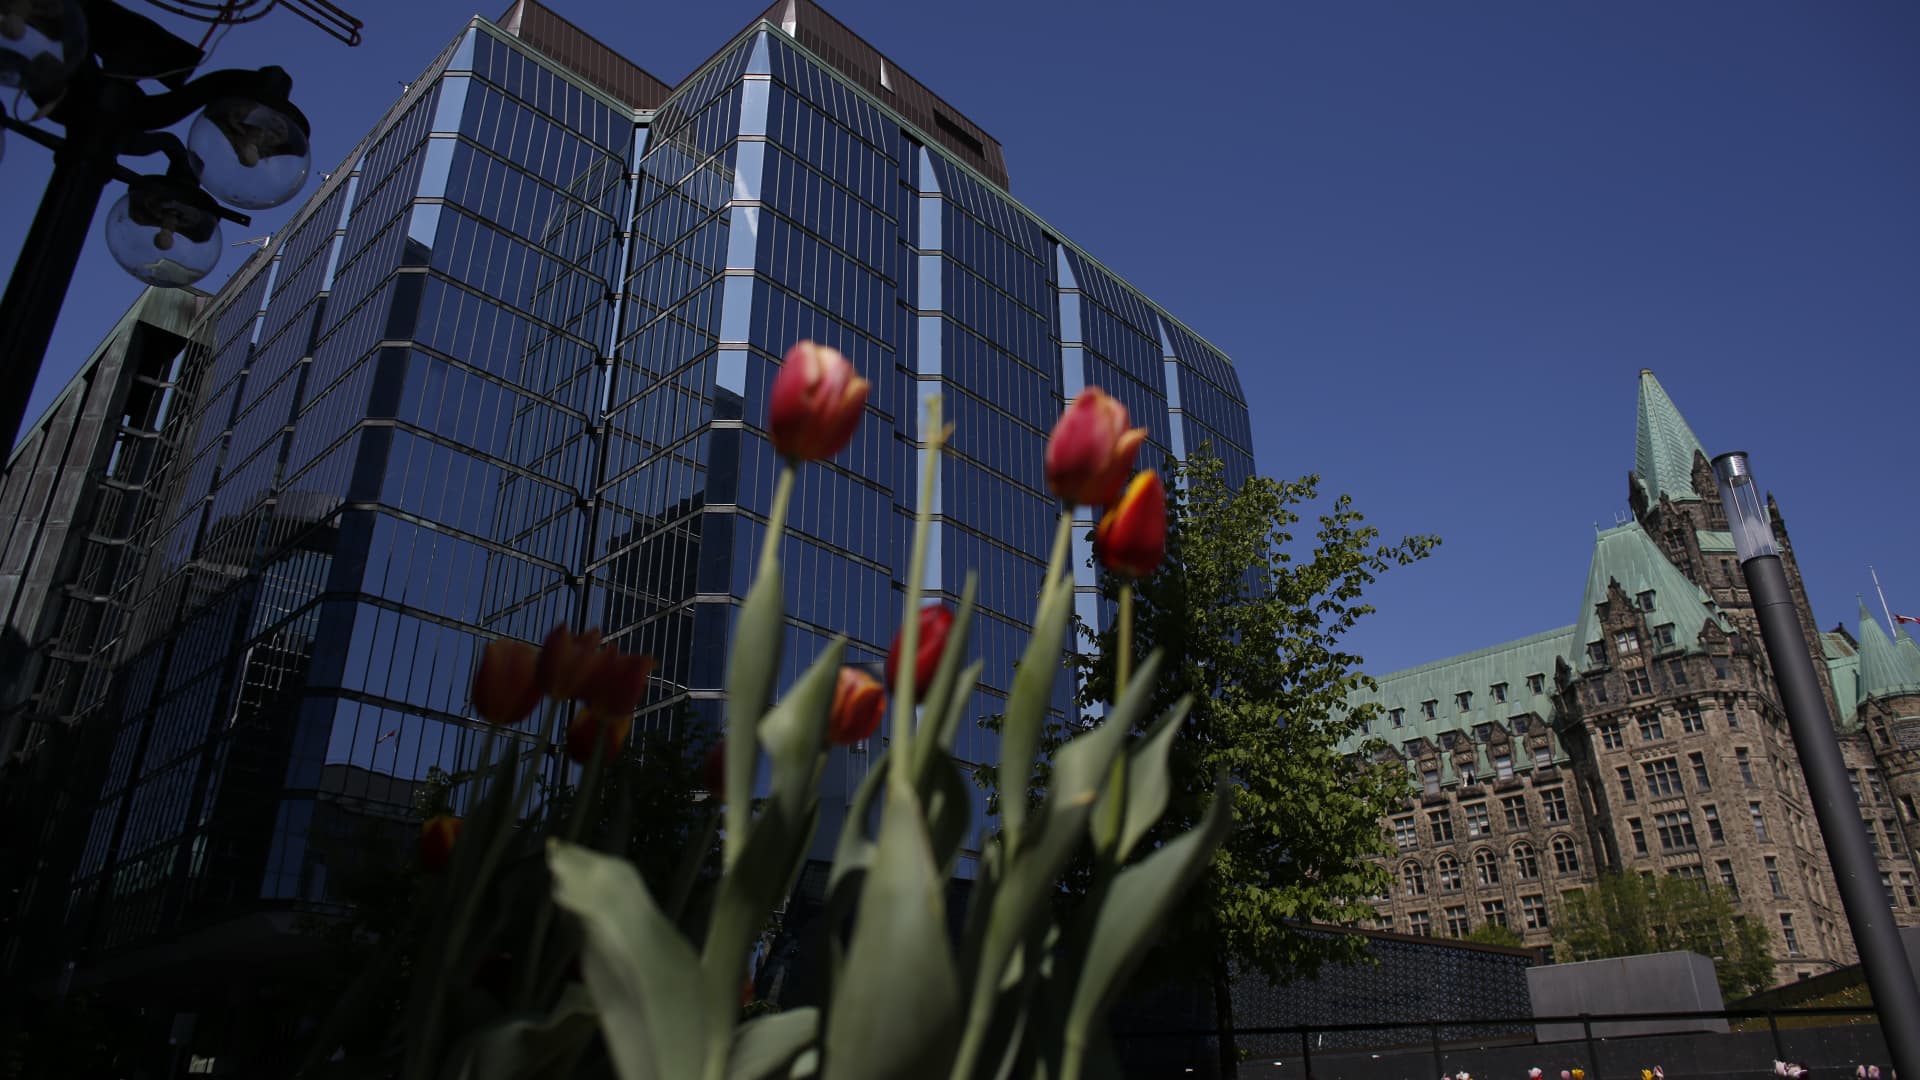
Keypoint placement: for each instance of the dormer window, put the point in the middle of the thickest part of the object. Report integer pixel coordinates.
(1483, 732)
(1663, 635)
(1626, 642)
(1463, 700)
(1429, 708)
(1499, 691)
(1446, 739)
(1398, 716)
(1646, 600)
(1536, 684)
(1412, 747)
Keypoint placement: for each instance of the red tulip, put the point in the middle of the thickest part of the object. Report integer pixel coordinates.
(816, 404)
(587, 725)
(506, 687)
(935, 621)
(437, 835)
(566, 659)
(1092, 449)
(616, 682)
(858, 702)
(713, 771)
(1131, 538)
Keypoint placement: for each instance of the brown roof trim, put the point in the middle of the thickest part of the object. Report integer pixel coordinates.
(545, 30)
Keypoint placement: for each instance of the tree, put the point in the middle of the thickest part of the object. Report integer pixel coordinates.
(1628, 914)
(1493, 933)
(1251, 626)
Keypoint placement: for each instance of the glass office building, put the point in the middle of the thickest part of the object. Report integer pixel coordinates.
(508, 367)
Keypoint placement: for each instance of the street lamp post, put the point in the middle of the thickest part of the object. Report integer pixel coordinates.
(81, 63)
(1871, 918)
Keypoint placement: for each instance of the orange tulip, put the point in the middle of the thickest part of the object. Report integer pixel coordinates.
(858, 702)
(616, 682)
(816, 403)
(611, 729)
(1131, 538)
(936, 620)
(506, 686)
(1091, 450)
(437, 835)
(566, 659)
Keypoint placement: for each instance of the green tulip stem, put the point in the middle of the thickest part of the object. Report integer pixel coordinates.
(543, 918)
(904, 692)
(1123, 663)
(777, 517)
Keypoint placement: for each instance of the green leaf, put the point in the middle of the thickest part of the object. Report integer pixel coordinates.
(757, 637)
(894, 1012)
(766, 1046)
(1148, 784)
(1120, 926)
(949, 810)
(636, 965)
(747, 895)
(526, 1046)
(1033, 685)
(957, 707)
(795, 731)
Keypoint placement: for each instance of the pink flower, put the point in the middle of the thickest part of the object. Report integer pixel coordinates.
(1533, 1073)
(1091, 450)
(1131, 539)
(936, 620)
(816, 403)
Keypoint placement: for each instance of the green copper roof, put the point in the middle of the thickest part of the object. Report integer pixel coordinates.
(1715, 541)
(1887, 669)
(1843, 664)
(1663, 454)
(1628, 555)
(1475, 673)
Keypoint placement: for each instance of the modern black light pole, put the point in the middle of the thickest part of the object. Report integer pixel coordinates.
(1881, 955)
(81, 64)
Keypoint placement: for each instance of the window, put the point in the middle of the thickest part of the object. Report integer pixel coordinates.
(1663, 635)
(1543, 754)
(1650, 729)
(1773, 877)
(1611, 736)
(1427, 708)
(1457, 921)
(1626, 642)
(1714, 832)
(1536, 684)
(1725, 866)
(1503, 766)
(1413, 880)
(1873, 838)
(1676, 830)
(1597, 690)
(1383, 922)
(1477, 822)
(1520, 723)
(1701, 781)
(1430, 779)
(1441, 823)
(1741, 758)
(1877, 785)
(1597, 651)
(1893, 836)
(1499, 691)
(1494, 911)
(1463, 700)
(1525, 862)
(1854, 783)
(1695, 874)
(1733, 719)
(1565, 858)
(1483, 733)
(1447, 739)
(1646, 600)
(1786, 932)
(1677, 672)
(1553, 801)
(1908, 891)
(1691, 721)
(1447, 869)
(1663, 777)
(1626, 783)
(1515, 808)
(1907, 808)
(1397, 716)
(1404, 837)
(1720, 667)
(1420, 923)
(1759, 822)
(1486, 869)
(1886, 883)
(1638, 683)
(1639, 836)
(1533, 912)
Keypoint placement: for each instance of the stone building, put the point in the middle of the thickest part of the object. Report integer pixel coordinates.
(1648, 737)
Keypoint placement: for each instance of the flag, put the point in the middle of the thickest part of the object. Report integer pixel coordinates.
(1898, 619)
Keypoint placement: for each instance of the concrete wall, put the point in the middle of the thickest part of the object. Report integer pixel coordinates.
(1657, 982)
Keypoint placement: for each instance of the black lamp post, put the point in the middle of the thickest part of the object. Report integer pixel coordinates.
(82, 64)
(1874, 936)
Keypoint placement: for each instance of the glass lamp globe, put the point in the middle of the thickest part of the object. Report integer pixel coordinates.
(41, 42)
(248, 154)
(162, 234)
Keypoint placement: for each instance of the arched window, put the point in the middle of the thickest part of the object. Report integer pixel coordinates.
(1486, 868)
(1448, 869)
(1414, 879)
(1565, 858)
(1525, 862)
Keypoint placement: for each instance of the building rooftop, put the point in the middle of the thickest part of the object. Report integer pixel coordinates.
(1664, 448)
(1628, 556)
(1510, 666)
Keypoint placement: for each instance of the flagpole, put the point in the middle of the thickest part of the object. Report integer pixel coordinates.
(1892, 627)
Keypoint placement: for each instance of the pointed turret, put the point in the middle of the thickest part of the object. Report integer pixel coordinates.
(1887, 669)
(1664, 449)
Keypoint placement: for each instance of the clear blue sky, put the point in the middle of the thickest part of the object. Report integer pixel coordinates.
(1439, 241)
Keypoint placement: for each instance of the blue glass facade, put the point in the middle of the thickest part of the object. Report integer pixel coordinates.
(509, 368)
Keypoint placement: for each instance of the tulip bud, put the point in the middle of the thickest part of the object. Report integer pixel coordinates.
(713, 771)
(437, 835)
(1091, 450)
(566, 659)
(1131, 538)
(506, 687)
(616, 682)
(611, 729)
(858, 702)
(935, 621)
(816, 403)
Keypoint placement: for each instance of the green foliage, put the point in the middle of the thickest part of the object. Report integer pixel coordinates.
(1628, 914)
(1493, 933)
(1252, 624)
